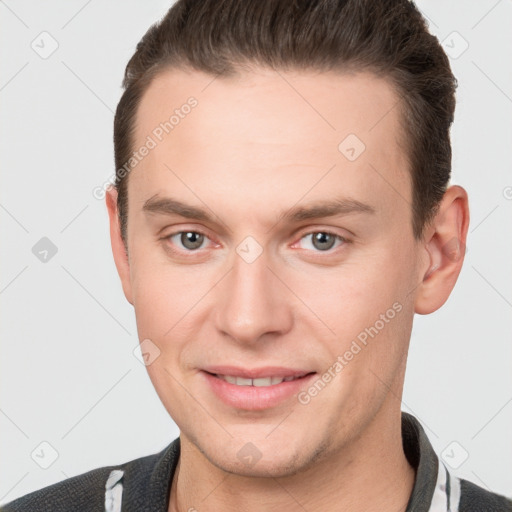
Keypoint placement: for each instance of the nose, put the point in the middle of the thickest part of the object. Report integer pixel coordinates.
(254, 302)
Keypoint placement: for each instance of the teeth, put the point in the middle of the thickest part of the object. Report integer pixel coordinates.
(259, 382)
(263, 381)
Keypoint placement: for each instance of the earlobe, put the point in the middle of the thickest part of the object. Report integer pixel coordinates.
(118, 247)
(445, 247)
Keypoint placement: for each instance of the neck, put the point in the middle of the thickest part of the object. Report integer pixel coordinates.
(372, 471)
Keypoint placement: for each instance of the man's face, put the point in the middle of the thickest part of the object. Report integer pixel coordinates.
(255, 290)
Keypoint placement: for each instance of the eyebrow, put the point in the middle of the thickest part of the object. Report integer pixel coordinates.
(315, 210)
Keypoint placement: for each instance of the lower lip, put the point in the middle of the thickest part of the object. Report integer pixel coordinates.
(255, 398)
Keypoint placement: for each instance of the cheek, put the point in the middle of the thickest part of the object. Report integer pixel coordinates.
(161, 291)
(151, 300)
(352, 296)
(365, 307)
(170, 303)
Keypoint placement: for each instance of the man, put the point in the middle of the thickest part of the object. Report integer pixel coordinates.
(281, 211)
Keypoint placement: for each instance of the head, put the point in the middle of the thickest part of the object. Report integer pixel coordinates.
(282, 203)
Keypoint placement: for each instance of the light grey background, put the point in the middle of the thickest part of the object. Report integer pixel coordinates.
(68, 373)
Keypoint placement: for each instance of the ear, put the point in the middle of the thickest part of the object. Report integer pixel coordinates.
(118, 248)
(445, 246)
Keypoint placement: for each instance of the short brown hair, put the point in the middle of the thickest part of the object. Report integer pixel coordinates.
(389, 38)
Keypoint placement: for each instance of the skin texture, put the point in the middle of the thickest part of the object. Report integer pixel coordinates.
(255, 147)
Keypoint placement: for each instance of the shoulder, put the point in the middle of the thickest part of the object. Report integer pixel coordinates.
(474, 498)
(84, 492)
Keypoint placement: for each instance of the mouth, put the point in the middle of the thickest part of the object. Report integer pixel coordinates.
(258, 382)
(257, 389)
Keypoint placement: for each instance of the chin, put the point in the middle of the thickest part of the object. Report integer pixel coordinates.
(269, 462)
(279, 467)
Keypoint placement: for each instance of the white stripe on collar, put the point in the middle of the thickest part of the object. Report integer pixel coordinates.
(442, 500)
(454, 493)
(114, 491)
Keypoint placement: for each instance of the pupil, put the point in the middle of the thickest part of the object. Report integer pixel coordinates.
(321, 239)
(191, 240)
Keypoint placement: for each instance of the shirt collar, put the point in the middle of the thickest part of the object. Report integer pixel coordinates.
(435, 488)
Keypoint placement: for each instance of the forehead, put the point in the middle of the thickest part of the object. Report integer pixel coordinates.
(274, 127)
(263, 100)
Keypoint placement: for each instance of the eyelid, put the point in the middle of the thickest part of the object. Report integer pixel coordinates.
(331, 231)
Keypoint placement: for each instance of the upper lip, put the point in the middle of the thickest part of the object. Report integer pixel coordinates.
(255, 373)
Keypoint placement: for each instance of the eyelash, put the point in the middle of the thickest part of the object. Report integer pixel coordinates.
(330, 251)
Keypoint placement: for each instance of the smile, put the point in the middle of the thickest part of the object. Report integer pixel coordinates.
(259, 382)
(256, 389)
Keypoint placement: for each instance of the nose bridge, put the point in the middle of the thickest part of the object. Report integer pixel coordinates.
(254, 302)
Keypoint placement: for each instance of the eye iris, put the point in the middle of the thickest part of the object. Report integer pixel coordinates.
(321, 239)
(192, 240)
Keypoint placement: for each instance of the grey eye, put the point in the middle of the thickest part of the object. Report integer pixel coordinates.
(191, 239)
(323, 241)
